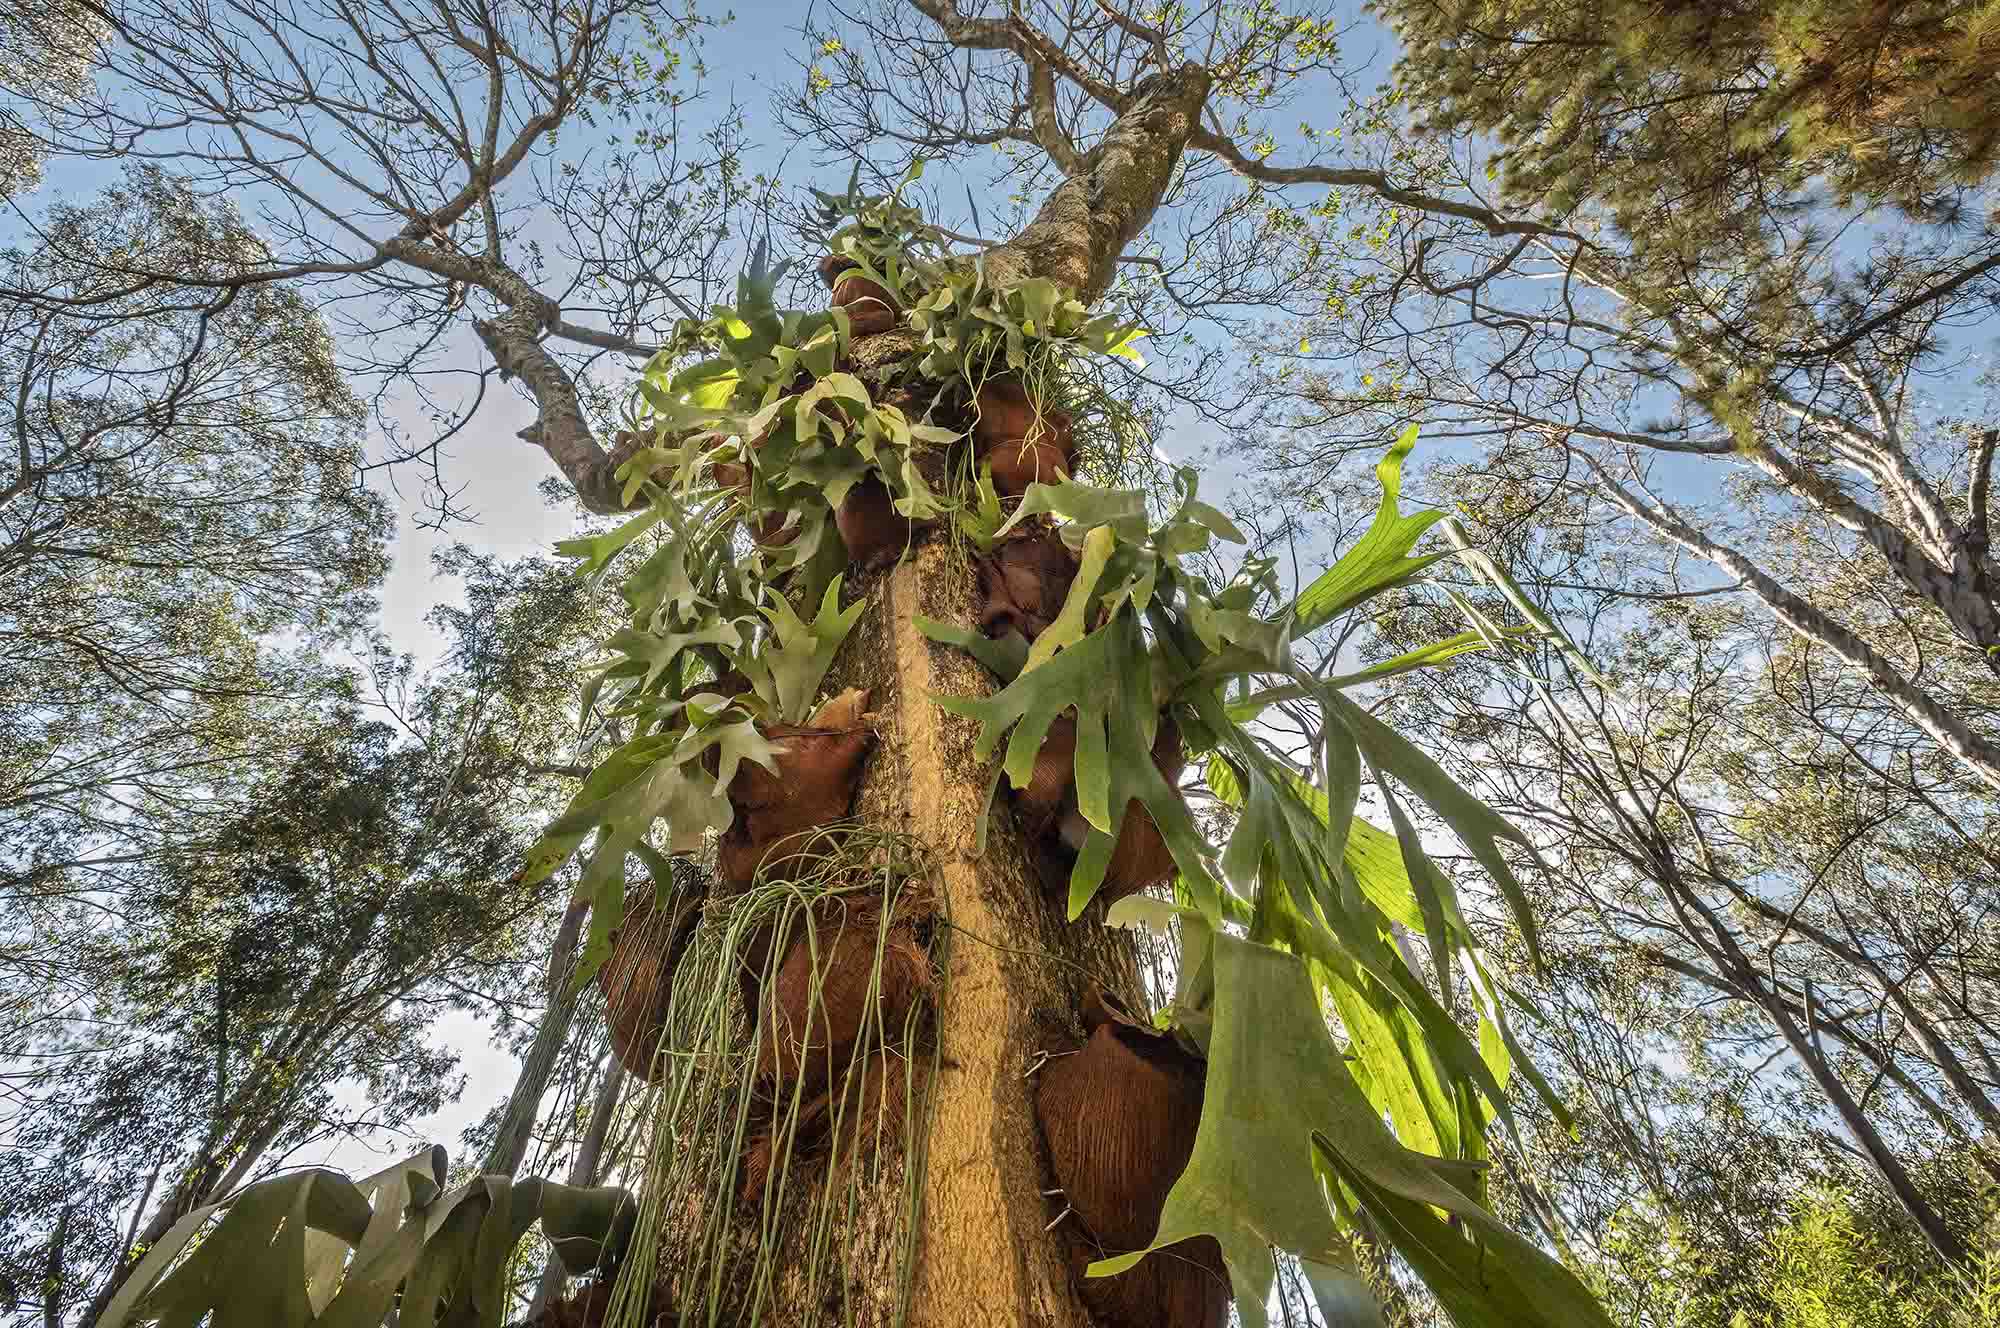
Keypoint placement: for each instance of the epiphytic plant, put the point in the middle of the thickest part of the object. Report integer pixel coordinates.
(764, 426)
(1104, 654)
(313, 1249)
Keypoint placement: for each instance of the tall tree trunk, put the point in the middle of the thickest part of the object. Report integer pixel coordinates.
(524, 1104)
(583, 1171)
(1014, 969)
(1869, 1139)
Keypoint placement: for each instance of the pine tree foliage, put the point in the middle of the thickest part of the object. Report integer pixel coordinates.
(1690, 119)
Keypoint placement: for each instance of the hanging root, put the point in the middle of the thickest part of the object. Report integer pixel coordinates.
(797, 1059)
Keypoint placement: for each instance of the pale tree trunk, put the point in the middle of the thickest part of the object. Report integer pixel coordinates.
(1972, 749)
(583, 1170)
(524, 1104)
(1014, 972)
(1719, 942)
(1872, 1145)
(1014, 969)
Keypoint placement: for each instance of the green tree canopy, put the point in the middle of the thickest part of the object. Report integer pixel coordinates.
(182, 518)
(1693, 119)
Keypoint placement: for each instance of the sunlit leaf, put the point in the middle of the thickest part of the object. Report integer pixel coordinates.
(1378, 560)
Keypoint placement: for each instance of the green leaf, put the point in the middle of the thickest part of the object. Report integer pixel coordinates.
(1124, 510)
(1539, 623)
(736, 739)
(1107, 678)
(1278, 1097)
(1004, 657)
(1301, 902)
(1344, 1300)
(383, 1196)
(708, 385)
(1379, 559)
(1477, 825)
(1250, 1183)
(153, 1266)
(659, 651)
(588, 1226)
(598, 550)
(1142, 913)
(615, 774)
(1423, 657)
(834, 471)
(1402, 1077)
(390, 1248)
(1376, 860)
(801, 652)
(1485, 1276)
(980, 520)
(249, 1271)
(450, 1235)
(1067, 626)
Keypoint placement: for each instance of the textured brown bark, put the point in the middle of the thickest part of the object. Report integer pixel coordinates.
(1086, 222)
(1014, 975)
(1013, 969)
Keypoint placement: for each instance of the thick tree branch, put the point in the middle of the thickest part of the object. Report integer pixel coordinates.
(515, 341)
(1085, 224)
(1979, 495)
(1049, 133)
(1928, 295)
(1376, 182)
(1972, 750)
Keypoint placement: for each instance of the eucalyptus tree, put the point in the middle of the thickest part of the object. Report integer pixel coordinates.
(1814, 368)
(182, 524)
(45, 59)
(1727, 414)
(1759, 872)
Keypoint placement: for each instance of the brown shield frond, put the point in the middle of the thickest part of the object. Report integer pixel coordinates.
(1021, 442)
(637, 977)
(819, 769)
(828, 989)
(1119, 1117)
(1023, 583)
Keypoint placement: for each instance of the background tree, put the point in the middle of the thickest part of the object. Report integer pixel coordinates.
(1757, 877)
(265, 979)
(424, 191)
(1678, 116)
(181, 486)
(1725, 418)
(45, 61)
